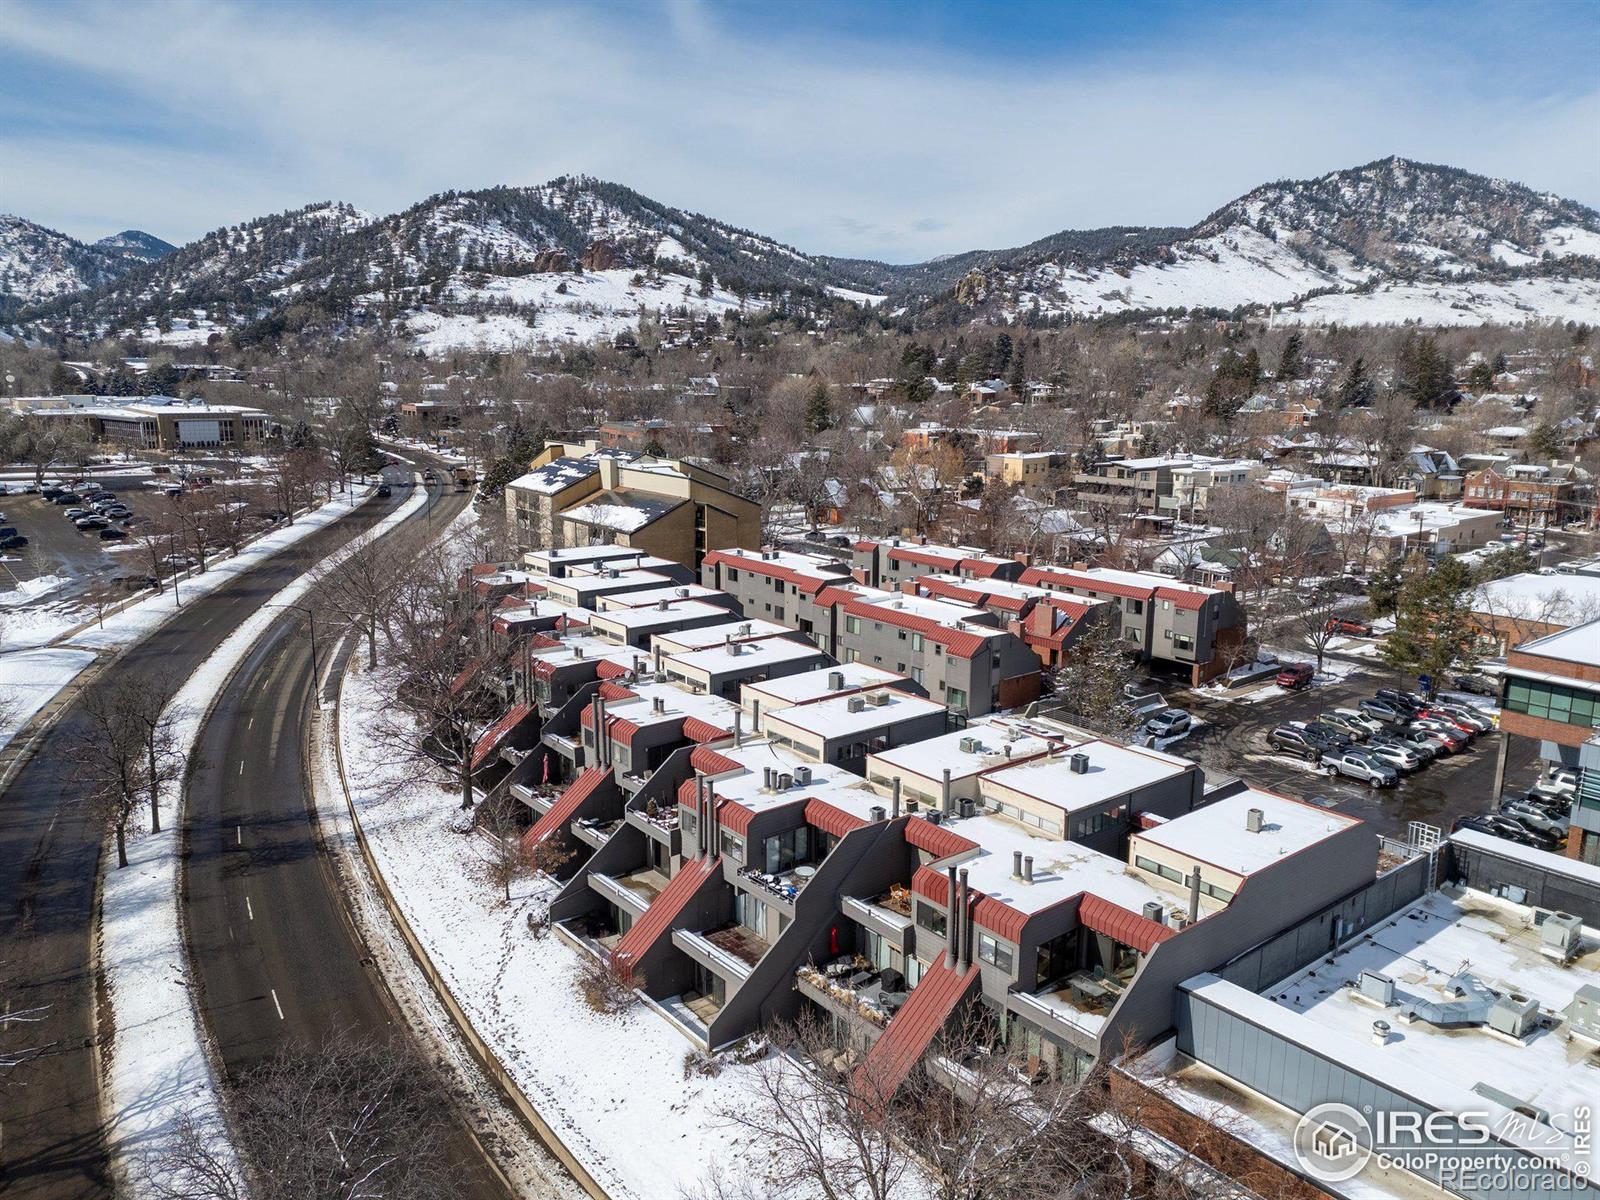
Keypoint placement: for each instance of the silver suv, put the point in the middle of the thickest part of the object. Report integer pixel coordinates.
(1360, 766)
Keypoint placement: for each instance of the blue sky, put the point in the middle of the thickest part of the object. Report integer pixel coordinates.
(891, 130)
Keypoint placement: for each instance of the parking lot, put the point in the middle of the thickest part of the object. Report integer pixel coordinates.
(1232, 741)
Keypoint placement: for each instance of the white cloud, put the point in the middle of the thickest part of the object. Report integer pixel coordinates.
(836, 146)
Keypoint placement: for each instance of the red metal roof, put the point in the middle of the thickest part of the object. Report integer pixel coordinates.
(465, 675)
(925, 556)
(937, 840)
(489, 741)
(666, 907)
(709, 762)
(704, 731)
(1128, 928)
(958, 642)
(1182, 598)
(615, 691)
(735, 816)
(981, 567)
(830, 819)
(910, 1032)
(579, 790)
(611, 670)
(1051, 577)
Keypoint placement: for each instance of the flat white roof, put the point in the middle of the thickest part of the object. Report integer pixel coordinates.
(1580, 644)
(1217, 835)
(1421, 948)
(673, 594)
(745, 630)
(952, 613)
(812, 685)
(1061, 869)
(928, 759)
(577, 554)
(651, 616)
(752, 655)
(678, 703)
(832, 718)
(1113, 771)
(835, 785)
(597, 584)
(1555, 599)
(594, 649)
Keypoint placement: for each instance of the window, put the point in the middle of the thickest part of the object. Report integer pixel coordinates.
(1155, 868)
(733, 846)
(916, 642)
(1183, 642)
(956, 697)
(994, 952)
(916, 674)
(1136, 607)
(1553, 702)
(786, 849)
(852, 624)
(688, 820)
(733, 575)
(931, 917)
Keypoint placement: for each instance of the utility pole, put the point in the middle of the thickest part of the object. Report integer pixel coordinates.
(311, 620)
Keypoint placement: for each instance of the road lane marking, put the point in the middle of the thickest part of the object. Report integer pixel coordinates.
(238, 835)
(241, 766)
(275, 1003)
(248, 909)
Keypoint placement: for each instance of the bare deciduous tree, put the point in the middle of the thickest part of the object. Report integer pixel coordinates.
(125, 752)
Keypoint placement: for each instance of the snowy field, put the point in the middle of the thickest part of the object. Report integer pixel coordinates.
(612, 1086)
(157, 1069)
(1480, 303)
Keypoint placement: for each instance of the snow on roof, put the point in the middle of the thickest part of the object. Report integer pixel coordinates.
(1555, 599)
(1114, 770)
(556, 475)
(678, 703)
(601, 582)
(744, 656)
(623, 515)
(1217, 835)
(944, 612)
(812, 685)
(585, 648)
(1434, 517)
(1588, 873)
(1580, 644)
(834, 718)
(989, 743)
(1061, 869)
(1421, 948)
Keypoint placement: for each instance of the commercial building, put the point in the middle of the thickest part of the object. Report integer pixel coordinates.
(165, 423)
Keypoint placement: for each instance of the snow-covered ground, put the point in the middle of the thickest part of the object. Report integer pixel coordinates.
(1333, 671)
(569, 308)
(1468, 303)
(157, 1069)
(612, 1086)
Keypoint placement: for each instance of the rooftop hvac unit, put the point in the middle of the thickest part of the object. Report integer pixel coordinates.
(1153, 911)
(878, 699)
(1514, 1015)
(785, 782)
(836, 681)
(969, 745)
(683, 592)
(1560, 936)
(878, 813)
(1377, 987)
(1583, 1014)
(746, 628)
(967, 808)
(855, 704)
(1253, 820)
(661, 604)
(802, 775)
(1078, 764)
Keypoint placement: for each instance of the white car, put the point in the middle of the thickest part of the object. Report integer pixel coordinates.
(1357, 717)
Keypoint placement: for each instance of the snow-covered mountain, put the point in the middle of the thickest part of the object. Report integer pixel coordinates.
(39, 264)
(138, 243)
(578, 258)
(1391, 241)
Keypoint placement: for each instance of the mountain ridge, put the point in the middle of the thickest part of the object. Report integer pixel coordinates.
(1386, 226)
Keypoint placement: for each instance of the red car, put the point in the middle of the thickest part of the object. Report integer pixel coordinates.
(1343, 625)
(1296, 675)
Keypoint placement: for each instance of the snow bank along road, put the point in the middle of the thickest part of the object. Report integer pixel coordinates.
(51, 1140)
(275, 957)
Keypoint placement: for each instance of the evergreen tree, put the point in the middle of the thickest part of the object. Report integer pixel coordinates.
(1356, 389)
(819, 408)
(1291, 363)
(1544, 442)
(1422, 373)
(1434, 630)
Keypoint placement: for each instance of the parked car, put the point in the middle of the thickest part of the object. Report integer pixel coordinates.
(1449, 741)
(1498, 826)
(1480, 721)
(1560, 780)
(1347, 627)
(1425, 744)
(1383, 710)
(1170, 723)
(112, 534)
(174, 489)
(66, 498)
(50, 492)
(91, 522)
(1355, 730)
(1356, 764)
(1404, 699)
(15, 542)
(385, 490)
(1452, 720)
(1295, 675)
(8, 531)
(1534, 818)
(1292, 739)
(1543, 793)
(1475, 684)
(117, 512)
(1327, 736)
(72, 514)
(1402, 758)
(1370, 723)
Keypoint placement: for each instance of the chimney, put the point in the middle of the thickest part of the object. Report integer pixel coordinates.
(961, 915)
(658, 659)
(766, 777)
(661, 604)
(946, 796)
(894, 799)
(700, 804)
(877, 812)
(1194, 895)
(755, 715)
(608, 474)
(738, 734)
(1016, 864)
(967, 939)
(1253, 820)
(952, 930)
(658, 704)
(1027, 867)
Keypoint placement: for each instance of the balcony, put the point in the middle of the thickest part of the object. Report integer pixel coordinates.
(784, 886)
(595, 831)
(732, 951)
(1081, 1003)
(635, 891)
(851, 987)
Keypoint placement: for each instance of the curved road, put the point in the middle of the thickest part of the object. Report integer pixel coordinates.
(51, 1141)
(275, 956)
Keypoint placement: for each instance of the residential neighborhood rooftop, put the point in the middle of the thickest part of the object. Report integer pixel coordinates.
(1218, 834)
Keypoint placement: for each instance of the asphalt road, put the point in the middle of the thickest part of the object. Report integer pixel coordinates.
(277, 961)
(1448, 788)
(51, 1141)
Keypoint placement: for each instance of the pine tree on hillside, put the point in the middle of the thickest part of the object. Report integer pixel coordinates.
(819, 408)
(1356, 389)
(1291, 363)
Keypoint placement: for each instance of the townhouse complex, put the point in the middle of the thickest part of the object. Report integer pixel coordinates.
(801, 783)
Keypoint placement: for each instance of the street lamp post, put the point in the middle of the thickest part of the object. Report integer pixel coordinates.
(311, 621)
